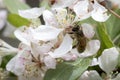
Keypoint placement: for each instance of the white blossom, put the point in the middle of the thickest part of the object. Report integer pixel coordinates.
(63, 3)
(26, 64)
(90, 75)
(108, 60)
(84, 9)
(88, 30)
(41, 33)
(31, 13)
(99, 12)
(59, 18)
(49, 18)
(91, 49)
(94, 62)
(64, 47)
(3, 16)
(6, 49)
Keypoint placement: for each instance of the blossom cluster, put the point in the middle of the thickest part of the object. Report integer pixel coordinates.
(60, 39)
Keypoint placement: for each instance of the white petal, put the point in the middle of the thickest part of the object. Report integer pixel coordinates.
(88, 30)
(93, 75)
(90, 75)
(46, 33)
(50, 62)
(99, 13)
(94, 62)
(31, 13)
(23, 35)
(15, 66)
(92, 47)
(81, 9)
(40, 50)
(4, 44)
(108, 60)
(49, 18)
(3, 16)
(64, 48)
(6, 49)
(69, 56)
(63, 3)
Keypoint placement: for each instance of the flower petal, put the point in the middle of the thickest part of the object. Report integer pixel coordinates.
(81, 9)
(6, 49)
(15, 66)
(31, 13)
(63, 3)
(40, 50)
(49, 18)
(46, 33)
(3, 16)
(90, 75)
(94, 62)
(50, 62)
(24, 35)
(88, 30)
(92, 47)
(64, 48)
(108, 60)
(69, 56)
(99, 13)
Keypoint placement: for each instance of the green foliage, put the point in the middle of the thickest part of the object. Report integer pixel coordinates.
(105, 39)
(17, 20)
(80, 66)
(68, 70)
(62, 72)
(14, 5)
(103, 35)
(5, 60)
(45, 3)
(113, 28)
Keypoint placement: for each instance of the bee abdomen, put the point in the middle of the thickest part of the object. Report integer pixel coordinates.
(81, 44)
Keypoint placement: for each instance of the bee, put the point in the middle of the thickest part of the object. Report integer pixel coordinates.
(80, 38)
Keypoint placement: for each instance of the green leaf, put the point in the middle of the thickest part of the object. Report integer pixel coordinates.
(45, 3)
(17, 20)
(68, 70)
(15, 5)
(103, 35)
(5, 60)
(79, 67)
(62, 72)
(113, 28)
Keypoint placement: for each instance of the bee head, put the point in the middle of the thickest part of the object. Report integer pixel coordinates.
(75, 29)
